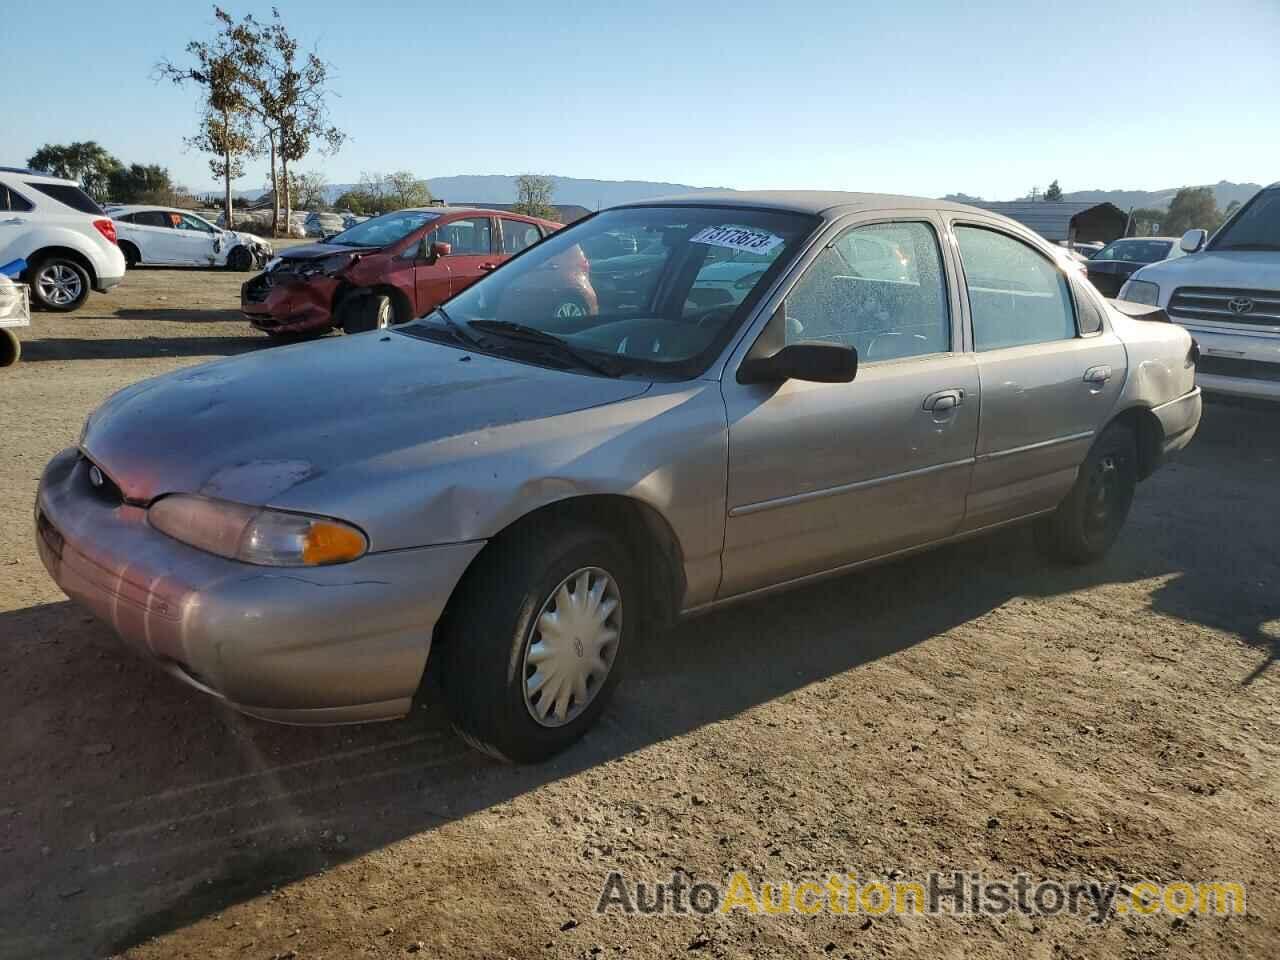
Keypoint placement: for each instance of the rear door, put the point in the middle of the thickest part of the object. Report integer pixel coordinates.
(517, 235)
(474, 252)
(152, 231)
(1050, 368)
(826, 474)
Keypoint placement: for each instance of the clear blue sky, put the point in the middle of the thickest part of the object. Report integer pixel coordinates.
(923, 97)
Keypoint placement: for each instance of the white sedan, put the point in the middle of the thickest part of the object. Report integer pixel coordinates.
(171, 237)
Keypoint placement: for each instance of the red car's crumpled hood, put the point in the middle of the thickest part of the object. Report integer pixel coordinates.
(312, 251)
(250, 428)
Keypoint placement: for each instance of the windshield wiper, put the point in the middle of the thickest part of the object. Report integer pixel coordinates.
(558, 345)
(460, 331)
(1251, 246)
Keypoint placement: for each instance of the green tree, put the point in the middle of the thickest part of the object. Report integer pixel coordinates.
(1145, 220)
(141, 183)
(1191, 207)
(1054, 193)
(357, 201)
(533, 196)
(226, 132)
(86, 162)
(405, 189)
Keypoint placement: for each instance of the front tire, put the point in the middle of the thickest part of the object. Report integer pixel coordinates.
(10, 348)
(534, 644)
(1087, 522)
(372, 311)
(59, 284)
(240, 259)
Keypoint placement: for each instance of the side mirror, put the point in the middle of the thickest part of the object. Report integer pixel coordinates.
(439, 249)
(1193, 240)
(812, 360)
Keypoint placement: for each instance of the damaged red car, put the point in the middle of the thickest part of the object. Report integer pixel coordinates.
(396, 267)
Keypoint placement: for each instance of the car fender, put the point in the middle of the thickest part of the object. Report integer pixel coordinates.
(103, 262)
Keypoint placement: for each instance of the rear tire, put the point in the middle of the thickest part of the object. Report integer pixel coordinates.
(59, 283)
(1087, 522)
(523, 628)
(131, 255)
(10, 348)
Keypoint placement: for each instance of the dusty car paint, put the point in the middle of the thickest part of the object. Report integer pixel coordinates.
(433, 450)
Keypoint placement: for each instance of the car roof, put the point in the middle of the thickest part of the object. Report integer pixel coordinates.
(46, 177)
(136, 207)
(823, 203)
(447, 211)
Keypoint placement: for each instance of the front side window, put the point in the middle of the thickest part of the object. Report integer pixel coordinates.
(518, 235)
(185, 221)
(1016, 294)
(879, 289)
(654, 291)
(470, 236)
(1256, 227)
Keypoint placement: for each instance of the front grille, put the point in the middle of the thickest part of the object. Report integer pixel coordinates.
(1214, 305)
(1241, 369)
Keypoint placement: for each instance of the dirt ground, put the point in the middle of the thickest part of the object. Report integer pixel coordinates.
(972, 709)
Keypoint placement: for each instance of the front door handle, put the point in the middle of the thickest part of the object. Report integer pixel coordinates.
(1098, 375)
(941, 401)
(488, 266)
(13, 220)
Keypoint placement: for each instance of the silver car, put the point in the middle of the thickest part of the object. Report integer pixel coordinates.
(527, 493)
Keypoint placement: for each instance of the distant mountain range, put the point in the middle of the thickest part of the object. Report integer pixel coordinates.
(597, 194)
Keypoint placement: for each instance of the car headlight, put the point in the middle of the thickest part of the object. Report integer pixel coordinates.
(329, 265)
(269, 538)
(273, 263)
(1140, 291)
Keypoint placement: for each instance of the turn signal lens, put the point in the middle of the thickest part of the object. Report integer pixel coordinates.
(256, 535)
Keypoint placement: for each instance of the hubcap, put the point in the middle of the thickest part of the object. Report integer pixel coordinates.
(570, 309)
(59, 284)
(384, 315)
(572, 646)
(1104, 486)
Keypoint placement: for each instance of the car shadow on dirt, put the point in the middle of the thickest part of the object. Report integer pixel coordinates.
(180, 314)
(137, 806)
(138, 348)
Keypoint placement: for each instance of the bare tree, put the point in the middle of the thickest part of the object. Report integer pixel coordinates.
(309, 189)
(406, 190)
(220, 69)
(533, 196)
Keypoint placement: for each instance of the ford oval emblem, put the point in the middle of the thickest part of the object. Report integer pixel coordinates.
(96, 477)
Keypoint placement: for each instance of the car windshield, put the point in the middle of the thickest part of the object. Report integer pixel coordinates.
(1134, 251)
(1256, 227)
(383, 230)
(651, 291)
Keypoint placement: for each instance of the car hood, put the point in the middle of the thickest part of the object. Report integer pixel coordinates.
(251, 428)
(313, 251)
(1250, 269)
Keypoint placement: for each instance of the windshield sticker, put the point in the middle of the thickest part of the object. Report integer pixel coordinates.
(737, 238)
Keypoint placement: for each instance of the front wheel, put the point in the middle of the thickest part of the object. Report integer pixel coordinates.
(10, 348)
(240, 259)
(1087, 522)
(533, 645)
(364, 312)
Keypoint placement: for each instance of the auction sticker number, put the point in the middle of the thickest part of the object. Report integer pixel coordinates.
(737, 238)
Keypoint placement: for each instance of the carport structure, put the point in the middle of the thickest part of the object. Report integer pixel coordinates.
(1059, 221)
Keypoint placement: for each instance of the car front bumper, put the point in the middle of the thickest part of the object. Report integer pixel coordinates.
(1237, 364)
(288, 305)
(316, 645)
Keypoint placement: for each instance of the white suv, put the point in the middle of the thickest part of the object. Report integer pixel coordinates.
(66, 239)
(1228, 295)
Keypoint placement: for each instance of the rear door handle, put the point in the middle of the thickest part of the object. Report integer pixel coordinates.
(1098, 375)
(943, 400)
(488, 266)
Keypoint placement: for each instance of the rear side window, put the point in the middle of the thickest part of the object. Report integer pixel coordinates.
(151, 218)
(1017, 295)
(518, 235)
(73, 197)
(13, 202)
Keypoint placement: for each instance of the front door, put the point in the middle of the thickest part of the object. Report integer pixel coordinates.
(473, 252)
(822, 475)
(430, 275)
(1051, 373)
(193, 240)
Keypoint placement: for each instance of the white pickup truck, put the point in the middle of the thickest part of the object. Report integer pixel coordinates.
(1228, 295)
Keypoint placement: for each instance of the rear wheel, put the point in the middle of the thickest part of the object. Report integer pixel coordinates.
(131, 255)
(1087, 522)
(534, 643)
(59, 284)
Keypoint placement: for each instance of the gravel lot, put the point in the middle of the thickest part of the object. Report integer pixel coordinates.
(972, 709)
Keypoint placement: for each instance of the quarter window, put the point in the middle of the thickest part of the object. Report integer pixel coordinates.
(878, 289)
(71, 196)
(518, 235)
(1016, 295)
